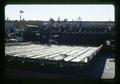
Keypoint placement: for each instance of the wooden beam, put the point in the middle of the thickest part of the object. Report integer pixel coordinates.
(60, 57)
(85, 55)
(78, 54)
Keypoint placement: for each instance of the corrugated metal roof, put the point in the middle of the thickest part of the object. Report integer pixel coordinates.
(31, 26)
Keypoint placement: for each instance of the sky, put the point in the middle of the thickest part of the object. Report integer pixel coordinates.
(71, 12)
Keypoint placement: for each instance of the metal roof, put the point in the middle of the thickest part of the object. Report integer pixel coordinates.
(31, 26)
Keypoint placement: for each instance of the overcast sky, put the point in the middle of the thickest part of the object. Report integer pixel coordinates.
(44, 12)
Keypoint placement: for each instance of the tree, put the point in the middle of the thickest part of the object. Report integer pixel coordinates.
(7, 18)
(79, 18)
(80, 23)
(65, 19)
(51, 20)
(58, 19)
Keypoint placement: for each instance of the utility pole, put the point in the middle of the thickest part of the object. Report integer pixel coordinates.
(21, 14)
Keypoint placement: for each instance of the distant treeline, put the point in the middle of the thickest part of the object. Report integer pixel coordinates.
(21, 24)
(70, 32)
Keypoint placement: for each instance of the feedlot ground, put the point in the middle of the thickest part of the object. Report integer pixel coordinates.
(103, 68)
